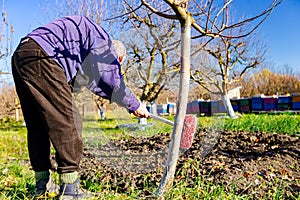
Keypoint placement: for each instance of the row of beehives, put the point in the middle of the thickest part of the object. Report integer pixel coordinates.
(245, 105)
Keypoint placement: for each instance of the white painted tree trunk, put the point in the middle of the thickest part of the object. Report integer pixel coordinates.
(154, 108)
(142, 121)
(102, 113)
(17, 115)
(228, 106)
(174, 145)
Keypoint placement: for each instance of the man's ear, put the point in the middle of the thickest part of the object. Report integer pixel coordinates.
(121, 59)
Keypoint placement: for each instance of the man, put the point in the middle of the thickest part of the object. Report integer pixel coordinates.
(49, 64)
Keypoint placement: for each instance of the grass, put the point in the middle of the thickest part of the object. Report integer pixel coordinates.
(16, 178)
(275, 123)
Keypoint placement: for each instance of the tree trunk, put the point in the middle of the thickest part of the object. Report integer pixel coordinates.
(101, 113)
(154, 108)
(174, 145)
(83, 110)
(228, 106)
(142, 120)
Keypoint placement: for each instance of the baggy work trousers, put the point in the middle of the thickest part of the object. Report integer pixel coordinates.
(48, 108)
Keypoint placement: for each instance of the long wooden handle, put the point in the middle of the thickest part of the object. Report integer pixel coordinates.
(161, 119)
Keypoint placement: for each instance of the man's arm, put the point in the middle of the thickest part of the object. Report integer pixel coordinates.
(106, 80)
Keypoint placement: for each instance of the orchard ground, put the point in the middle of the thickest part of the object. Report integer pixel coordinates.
(254, 157)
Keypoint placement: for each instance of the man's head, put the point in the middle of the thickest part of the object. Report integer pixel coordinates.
(120, 50)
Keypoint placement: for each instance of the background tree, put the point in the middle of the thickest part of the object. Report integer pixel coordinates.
(9, 106)
(152, 63)
(210, 20)
(152, 59)
(101, 104)
(6, 31)
(229, 59)
(270, 83)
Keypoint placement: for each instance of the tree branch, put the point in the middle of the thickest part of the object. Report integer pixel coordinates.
(145, 3)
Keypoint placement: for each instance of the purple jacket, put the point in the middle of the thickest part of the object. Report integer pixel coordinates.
(85, 52)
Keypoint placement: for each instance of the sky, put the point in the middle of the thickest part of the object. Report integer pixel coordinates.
(281, 31)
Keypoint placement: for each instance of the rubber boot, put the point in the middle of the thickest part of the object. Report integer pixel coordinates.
(74, 191)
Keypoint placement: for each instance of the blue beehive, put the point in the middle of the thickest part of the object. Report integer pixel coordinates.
(172, 108)
(284, 99)
(205, 107)
(296, 101)
(296, 105)
(214, 107)
(162, 109)
(284, 103)
(270, 103)
(195, 107)
(149, 108)
(245, 105)
(235, 105)
(221, 107)
(189, 108)
(257, 103)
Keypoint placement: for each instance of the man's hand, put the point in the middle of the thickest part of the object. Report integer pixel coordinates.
(141, 111)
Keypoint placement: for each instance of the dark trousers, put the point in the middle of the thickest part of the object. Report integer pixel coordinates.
(48, 108)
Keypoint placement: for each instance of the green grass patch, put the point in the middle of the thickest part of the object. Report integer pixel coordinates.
(268, 123)
(279, 123)
(16, 178)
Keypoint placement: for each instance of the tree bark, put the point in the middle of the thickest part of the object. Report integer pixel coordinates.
(174, 145)
(228, 106)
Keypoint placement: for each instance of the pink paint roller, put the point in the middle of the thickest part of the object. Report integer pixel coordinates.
(188, 131)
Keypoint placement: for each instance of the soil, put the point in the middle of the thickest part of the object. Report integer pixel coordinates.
(254, 164)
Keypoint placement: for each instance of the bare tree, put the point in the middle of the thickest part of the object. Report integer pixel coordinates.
(101, 103)
(6, 31)
(210, 19)
(202, 21)
(95, 10)
(152, 62)
(231, 58)
(10, 105)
